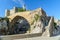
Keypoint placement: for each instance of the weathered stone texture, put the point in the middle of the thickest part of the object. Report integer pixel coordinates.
(49, 29)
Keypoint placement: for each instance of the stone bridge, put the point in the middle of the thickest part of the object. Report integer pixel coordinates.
(25, 15)
(28, 15)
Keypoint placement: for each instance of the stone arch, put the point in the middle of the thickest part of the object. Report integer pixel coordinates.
(21, 23)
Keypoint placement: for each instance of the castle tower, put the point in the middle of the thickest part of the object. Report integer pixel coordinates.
(15, 9)
(7, 13)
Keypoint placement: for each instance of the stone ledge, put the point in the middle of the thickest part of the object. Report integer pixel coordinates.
(19, 36)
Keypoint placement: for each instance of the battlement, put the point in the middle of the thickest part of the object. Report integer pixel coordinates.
(13, 11)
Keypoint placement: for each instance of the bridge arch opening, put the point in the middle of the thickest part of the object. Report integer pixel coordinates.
(20, 25)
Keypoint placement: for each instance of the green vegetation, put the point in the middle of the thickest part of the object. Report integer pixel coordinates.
(21, 9)
(36, 17)
(5, 18)
(32, 22)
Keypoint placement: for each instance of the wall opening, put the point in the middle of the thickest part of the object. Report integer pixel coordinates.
(19, 25)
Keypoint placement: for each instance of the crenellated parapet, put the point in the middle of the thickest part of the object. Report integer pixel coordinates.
(10, 12)
(13, 11)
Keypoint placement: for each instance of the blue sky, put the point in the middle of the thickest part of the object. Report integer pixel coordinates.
(51, 7)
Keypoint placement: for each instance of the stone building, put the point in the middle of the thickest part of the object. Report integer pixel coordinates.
(35, 21)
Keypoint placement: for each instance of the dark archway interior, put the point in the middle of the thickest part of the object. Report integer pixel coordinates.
(19, 25)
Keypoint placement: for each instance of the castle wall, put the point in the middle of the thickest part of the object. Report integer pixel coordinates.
(11, 12)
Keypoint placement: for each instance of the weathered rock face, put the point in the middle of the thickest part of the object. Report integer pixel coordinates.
(39, 23)
(3, 24)
(50, 28)
(57, 28)
(38, 27)
(44, 26)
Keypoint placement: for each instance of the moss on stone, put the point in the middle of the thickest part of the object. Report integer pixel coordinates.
(32, 22)
(36, 17)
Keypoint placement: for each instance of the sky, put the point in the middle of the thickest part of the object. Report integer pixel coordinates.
(51, 7)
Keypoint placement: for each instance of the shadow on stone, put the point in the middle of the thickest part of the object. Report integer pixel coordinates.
(19, 25)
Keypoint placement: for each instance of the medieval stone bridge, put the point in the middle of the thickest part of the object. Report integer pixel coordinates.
(28, 15)
(25, 15)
